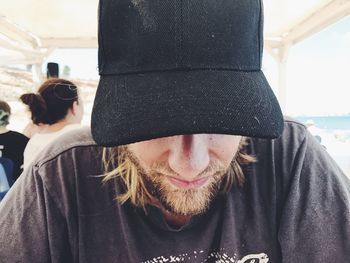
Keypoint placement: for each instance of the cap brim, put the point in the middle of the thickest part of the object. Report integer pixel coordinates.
(136, 107)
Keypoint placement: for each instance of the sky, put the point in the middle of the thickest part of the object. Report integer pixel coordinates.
(318, 71)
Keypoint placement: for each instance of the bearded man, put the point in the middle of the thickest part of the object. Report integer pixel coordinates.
(189, 158)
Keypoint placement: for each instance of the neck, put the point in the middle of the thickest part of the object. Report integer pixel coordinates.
(3, 130)
(55, 127)
(174, 220)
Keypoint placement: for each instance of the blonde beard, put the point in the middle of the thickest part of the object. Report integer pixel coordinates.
(182, 201)
(185, 201)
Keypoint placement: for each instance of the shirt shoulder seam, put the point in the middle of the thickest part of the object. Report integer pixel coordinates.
(60, 150)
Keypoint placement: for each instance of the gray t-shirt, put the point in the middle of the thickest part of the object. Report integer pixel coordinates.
(294, 207)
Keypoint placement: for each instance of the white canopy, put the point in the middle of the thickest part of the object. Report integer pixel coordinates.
(31, 29)
(35, 27)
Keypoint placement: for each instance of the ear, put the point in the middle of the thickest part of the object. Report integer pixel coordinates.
(74, 107)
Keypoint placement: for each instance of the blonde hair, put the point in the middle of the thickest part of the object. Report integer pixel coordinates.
(118, 164)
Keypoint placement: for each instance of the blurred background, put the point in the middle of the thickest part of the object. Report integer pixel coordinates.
(306, 59)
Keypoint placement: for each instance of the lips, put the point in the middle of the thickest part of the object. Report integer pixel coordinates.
(188, 184)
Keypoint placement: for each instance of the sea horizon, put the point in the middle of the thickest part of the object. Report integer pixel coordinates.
(332, 122)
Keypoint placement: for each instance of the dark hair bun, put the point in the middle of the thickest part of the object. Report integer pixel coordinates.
(52, 102)
(37, 106)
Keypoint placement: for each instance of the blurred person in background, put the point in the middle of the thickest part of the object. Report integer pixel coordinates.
(12, 143)
(56, 108)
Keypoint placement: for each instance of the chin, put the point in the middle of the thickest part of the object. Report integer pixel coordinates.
(187, 201)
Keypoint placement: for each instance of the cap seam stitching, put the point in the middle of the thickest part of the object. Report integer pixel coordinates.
(179, 70)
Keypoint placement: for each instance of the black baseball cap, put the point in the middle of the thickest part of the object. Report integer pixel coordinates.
(181, 67)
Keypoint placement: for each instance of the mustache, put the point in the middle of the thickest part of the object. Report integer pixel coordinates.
(214, 168)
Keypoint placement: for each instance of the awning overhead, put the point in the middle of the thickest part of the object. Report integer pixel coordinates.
(33, 28)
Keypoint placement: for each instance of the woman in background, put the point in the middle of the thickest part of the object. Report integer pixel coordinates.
(57, 108)
(12, 143)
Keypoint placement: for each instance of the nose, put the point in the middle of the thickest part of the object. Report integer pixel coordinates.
(189, 155)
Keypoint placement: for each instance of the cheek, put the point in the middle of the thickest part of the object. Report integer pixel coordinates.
(224, 147)
(148, 152)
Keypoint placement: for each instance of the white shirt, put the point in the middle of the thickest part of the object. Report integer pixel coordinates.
(40, 140)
